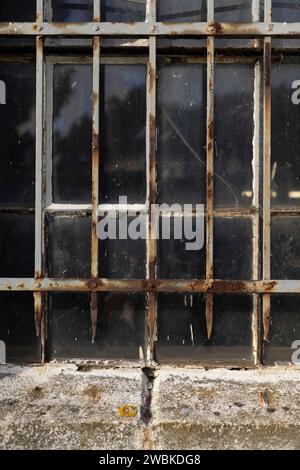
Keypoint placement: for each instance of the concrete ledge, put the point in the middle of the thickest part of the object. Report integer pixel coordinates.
(59, 407)
(226, 409)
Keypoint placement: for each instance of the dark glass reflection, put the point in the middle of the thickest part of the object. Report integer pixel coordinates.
(17, 10)
(72, 134)
(284, 328)
(285, 135)
(123, 133)
(182, 333)
(232, 248)
(181, 120)
(286, 10)
(233, 11)
(179, 11)
(69, 246)
(123, 10)
(72, 10)
(285, 248)
(120, 326)
(17, 134)
(174, 259)
(234, 126)
(16, 245)
(17, 327)
(123, 258)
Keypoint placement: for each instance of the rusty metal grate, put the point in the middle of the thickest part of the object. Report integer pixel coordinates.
(151, 30)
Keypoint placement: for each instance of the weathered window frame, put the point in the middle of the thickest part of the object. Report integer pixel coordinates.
(151, 286)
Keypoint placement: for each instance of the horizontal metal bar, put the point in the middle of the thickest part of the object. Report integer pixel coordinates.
(150, 29)
(152, 285)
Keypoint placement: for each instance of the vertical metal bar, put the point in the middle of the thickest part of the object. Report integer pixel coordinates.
(267, 171)
(210, 169)
(97, 10)
(151, 185)
(256, 216)
(39, 223)
(95, 169)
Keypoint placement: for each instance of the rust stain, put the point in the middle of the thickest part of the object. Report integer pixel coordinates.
(263, 398)
(35, 392)
(269, 286)
(93, 392)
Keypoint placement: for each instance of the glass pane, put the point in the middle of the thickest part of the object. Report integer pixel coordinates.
(232, 248)
(122, 258)
(72, 134)
(233, 11)
(284, 329)
(179, 11)
(17, 327)
(181, 115)
(285, 135)
(72, 10)
(286, 10)
(182, 333)
(182, 258)
(17, 135)
(123, 10)
(120, 326)
(17, 10)
(69, 246)
(234, 126)
(285, 248)
(16, 245)
(123, 133)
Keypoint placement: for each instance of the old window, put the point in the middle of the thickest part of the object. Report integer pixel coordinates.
(110, 108)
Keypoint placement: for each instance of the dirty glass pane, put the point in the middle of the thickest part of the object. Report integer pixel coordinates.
(72, 10)
(182, 258)
(123, 10)
(123, 133)
(284, 330)
(72, 134)
(17, 327)
(69, 246)
(17, 134)
(233, 11)
(181, 121)
(122, 256)
(285, 248)
(120, 326)
(285, 135)
(16, 245)
(234, 126)
(232, 248)
(182, 333)
(17, 10)
(179, 11)
(286, 10)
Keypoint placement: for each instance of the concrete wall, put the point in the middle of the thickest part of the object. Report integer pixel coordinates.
(61, 407)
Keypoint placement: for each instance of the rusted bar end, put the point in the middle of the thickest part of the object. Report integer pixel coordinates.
(94, 315)
(266, 315)
(209, 314)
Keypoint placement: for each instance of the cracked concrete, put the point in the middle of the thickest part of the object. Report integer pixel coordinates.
(57, 406)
